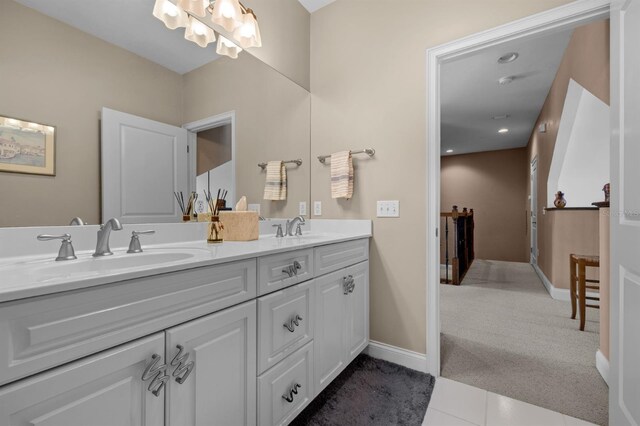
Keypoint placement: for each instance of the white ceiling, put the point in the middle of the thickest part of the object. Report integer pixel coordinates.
(471, 94)
(129, 24)
(313, 5)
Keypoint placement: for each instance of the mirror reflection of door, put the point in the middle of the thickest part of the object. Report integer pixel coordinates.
(214, 168)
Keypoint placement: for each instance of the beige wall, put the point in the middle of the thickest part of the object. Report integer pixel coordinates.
(494, 184)
(272, 123)
(586, 60)
(49, 73)
(284, 27)
(368, 83)
(214, 148)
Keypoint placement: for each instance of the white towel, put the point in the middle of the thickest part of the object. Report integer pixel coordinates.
(275, 187)
(341, 175)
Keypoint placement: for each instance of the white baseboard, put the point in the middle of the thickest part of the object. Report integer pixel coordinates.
(602, 364)
(404, 357)
(554, 292)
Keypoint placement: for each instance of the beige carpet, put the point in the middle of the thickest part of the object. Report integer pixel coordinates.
(501, 331)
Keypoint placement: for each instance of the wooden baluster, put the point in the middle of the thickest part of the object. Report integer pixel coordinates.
(455, 272)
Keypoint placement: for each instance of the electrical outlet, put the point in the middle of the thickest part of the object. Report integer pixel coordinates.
(254, 208)
(317, 208)
(302, 208)
(388, 208)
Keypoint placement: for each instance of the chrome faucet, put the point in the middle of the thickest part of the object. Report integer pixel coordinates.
(292, 222)
(102, 246)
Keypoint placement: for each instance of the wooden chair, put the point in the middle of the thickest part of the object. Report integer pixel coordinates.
(578, 268)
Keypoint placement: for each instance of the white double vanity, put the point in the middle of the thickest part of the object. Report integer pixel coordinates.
(184, 333)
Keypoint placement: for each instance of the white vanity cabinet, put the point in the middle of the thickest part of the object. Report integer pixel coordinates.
(245, 342)
(102, 390)
(342, 321)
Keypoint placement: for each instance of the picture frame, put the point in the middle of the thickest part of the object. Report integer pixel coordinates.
(27, 147)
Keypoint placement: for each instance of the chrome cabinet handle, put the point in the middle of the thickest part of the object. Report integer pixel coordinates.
(292, 269)
(293, 323)
(155, 372)
(183, 368)
(292, 392)
(347, 284)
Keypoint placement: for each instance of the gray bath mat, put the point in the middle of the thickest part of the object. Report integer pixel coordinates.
(371, 392)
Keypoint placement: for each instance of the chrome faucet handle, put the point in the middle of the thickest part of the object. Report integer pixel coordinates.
(134, 245)
(279, 233)
(299, 230)
(66, 251)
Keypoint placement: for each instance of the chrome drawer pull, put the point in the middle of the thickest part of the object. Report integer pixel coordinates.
(292, 392)
(293, 323)
(293, 269)
(155, 373)
(347, 284)
(183, 368)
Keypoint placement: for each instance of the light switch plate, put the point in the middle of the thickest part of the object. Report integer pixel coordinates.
(302, 208)
(254, 208)
(317, 208)
(389, 208)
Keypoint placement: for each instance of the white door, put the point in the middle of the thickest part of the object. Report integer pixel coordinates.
(358, 311)
(624, 406)
(102, 390)
(143, 163)
(330, 334)
(534, 211)
(221, 388)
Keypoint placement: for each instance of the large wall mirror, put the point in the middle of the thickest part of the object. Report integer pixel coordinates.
(231, 115)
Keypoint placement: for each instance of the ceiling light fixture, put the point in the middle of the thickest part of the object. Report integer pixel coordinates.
(508, 57)
(506, 80)
(501, 117)
(449, 151)
(239, 21)
(503, 130)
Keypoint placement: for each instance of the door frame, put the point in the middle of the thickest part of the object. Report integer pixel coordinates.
(194, 127)
(533, 197)
(570, 15)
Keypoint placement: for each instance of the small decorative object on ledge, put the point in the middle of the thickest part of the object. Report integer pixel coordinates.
(606, 202)
(216, 228)
(560, 202)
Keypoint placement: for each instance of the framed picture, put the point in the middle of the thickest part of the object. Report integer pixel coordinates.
(27, 147)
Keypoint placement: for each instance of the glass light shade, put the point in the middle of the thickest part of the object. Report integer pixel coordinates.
(248, 34)
(227, 14)
(227, 48)
(195, 7)
(199, 33)
(172, 16)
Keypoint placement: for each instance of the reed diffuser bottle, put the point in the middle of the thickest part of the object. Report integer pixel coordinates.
(215, 231)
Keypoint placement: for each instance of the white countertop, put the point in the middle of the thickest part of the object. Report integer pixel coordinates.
(29, 276)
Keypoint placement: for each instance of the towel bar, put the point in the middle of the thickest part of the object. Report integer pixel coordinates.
(298, 162)
(369, 151)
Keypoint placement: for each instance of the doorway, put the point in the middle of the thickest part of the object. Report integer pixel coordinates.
(559, 19)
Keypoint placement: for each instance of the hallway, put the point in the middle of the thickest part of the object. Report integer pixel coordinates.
(502, 332)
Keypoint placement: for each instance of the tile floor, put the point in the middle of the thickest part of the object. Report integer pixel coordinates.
(457, 404)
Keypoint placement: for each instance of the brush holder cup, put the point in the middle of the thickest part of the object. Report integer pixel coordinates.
(215, 231)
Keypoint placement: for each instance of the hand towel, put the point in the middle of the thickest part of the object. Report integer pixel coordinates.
(341, 175)
(275, 187)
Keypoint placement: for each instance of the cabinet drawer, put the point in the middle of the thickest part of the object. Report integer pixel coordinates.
(278, 404)
(332, 257)
(278, 271)
(43, 332)
(278, 313)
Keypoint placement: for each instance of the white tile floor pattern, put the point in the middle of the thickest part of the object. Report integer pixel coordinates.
(457, 404)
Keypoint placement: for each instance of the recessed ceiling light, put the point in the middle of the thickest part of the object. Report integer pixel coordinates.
(501, 117)
(506, 80)
(503, 130)
(449, 151)
(508, 57)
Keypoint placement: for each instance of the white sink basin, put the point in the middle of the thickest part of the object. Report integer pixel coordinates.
(44, 270)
